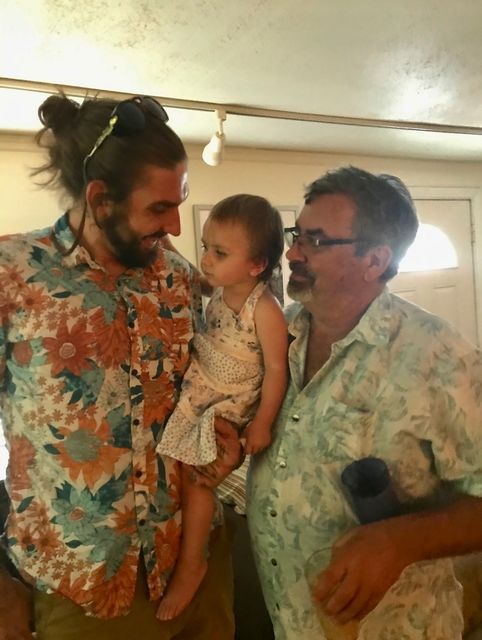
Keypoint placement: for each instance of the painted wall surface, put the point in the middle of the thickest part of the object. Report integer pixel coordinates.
(278, 175)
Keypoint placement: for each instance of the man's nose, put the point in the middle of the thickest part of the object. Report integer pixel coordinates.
(295, 253)
(172, 224)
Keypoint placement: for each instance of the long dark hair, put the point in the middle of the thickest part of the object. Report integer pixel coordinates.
(70, 131)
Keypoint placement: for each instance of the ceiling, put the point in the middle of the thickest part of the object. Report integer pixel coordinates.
(374, 59)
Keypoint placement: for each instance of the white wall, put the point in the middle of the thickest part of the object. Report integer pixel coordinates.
(23, 205)
(278, 175)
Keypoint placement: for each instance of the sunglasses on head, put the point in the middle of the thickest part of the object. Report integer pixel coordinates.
(127, 118)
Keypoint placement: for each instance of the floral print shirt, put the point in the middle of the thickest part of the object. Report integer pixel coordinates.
(90, 369)
(404, 387)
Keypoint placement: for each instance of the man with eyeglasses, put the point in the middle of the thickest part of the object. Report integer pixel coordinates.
(372, 376)
(96, 326)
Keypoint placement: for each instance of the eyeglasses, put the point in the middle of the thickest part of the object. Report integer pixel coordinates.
(127, 118)
(313, 240)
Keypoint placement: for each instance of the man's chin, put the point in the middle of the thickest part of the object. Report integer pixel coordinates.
(299, 293)
(139, 259)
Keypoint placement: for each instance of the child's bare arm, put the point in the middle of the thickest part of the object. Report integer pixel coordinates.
(273, 337)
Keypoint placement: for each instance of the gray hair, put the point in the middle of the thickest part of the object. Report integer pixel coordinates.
(385, 210)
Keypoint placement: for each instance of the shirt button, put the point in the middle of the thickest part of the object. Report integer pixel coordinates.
(282, 464)
(295, 417)
(274, 562)
(136, 422)
(273, 513)
(142, 522)
(134, 372)
(131, 325)
(138, 473)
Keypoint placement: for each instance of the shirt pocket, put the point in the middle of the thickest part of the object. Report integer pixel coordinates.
(345, 433)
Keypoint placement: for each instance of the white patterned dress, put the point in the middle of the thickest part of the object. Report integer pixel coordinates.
(223, 379)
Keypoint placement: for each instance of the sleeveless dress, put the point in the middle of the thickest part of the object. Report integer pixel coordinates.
(223, 379)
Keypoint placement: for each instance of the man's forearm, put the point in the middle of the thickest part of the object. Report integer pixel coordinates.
(369, 559)
(453, 530)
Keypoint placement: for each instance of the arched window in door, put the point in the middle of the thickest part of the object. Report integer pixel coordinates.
(431, 250)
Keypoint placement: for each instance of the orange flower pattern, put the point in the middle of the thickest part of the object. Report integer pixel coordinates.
(90, 369)
(70, 348)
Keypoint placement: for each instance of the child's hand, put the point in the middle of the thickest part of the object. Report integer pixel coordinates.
(258, 437)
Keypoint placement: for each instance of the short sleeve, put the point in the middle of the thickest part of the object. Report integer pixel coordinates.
(457, 420)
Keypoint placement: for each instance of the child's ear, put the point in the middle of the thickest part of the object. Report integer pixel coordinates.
(258, 268)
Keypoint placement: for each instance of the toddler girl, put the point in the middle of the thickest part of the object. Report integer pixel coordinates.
(238, 369)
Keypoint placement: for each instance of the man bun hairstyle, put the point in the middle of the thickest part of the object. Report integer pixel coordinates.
(70, 131)
(58, 113)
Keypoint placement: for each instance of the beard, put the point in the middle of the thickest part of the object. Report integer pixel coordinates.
(300, 284)
(125, 243)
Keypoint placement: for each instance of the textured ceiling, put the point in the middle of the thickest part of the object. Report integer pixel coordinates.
(383, 59)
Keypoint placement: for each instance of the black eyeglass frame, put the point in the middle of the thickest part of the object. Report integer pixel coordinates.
(124, 121)
(293, 234)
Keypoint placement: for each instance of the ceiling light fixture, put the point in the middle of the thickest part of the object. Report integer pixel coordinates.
(213, 151)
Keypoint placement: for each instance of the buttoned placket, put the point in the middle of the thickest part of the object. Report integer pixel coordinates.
(137, 420)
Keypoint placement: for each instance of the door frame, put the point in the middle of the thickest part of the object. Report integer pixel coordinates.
(474, 196)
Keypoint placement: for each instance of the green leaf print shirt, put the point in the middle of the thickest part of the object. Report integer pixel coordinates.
(402, 386)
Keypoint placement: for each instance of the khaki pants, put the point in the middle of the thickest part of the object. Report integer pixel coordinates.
(208, 617)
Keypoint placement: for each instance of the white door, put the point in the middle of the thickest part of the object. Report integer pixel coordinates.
(447, 292)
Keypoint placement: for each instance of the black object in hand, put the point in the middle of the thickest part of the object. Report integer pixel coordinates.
(370, 489)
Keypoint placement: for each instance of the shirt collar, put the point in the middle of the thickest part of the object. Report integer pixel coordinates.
(374, 327)
(63, 238)
(298, 319)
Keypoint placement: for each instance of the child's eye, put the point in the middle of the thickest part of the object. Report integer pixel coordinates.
(221, 254)
(203, 247)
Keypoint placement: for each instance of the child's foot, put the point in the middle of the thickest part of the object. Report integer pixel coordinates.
(183, 585)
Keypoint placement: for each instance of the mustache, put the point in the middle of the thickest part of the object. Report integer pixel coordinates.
(159, 235)
(300, 269)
